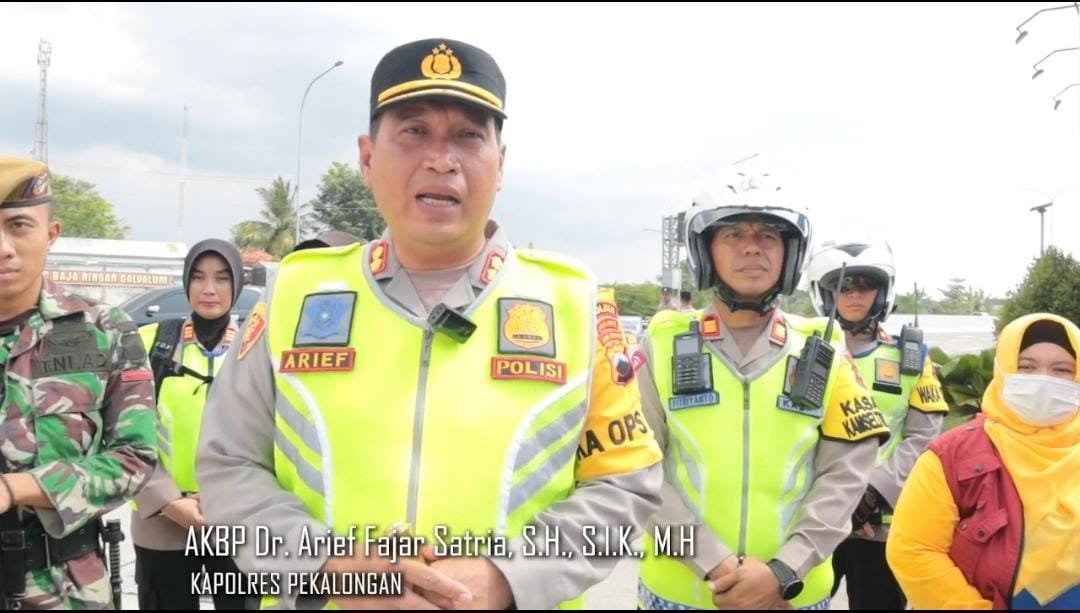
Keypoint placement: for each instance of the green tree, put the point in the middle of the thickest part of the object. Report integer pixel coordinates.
(798, 303)
(915, 301)
(276, 233)
(637, 298)
(83, 213)
(961, 299)
(344, 203)
(1052, 285)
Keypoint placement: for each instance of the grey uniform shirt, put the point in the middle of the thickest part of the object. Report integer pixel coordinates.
(235, 469)
(841, 469)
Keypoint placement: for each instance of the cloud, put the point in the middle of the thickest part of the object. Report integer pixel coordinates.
(917, 123)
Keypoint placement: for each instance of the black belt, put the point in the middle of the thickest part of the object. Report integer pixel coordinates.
(43, 551)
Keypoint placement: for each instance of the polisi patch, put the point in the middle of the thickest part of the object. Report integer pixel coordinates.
(317, 360)
(530, 369)
(678, 403)
(887, 376)
(526, 327)
(325, 320)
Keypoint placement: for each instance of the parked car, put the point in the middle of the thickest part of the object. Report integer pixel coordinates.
(171, 302)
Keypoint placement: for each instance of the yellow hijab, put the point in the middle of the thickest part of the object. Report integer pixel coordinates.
(1044, 462)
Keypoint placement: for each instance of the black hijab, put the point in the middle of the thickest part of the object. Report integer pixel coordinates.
(210, 331)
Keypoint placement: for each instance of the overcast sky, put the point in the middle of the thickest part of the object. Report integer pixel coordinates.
(917, 123)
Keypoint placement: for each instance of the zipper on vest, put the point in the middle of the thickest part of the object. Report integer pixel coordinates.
(744, 505)
(418, 425)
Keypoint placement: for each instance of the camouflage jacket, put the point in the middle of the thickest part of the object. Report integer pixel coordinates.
(78, 414)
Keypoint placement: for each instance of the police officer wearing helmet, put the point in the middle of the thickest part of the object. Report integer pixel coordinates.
(767, 478)
(436, 376)
(909, 398)
(186, 355)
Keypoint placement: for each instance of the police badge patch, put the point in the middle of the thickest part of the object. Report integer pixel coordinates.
(325, 320)
(526, 327)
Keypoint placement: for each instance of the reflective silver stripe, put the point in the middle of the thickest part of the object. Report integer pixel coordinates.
(745, 504)
(164, 432)
(532, 484)
(788, 512)
(308, 474)
(519, 438)
(418, 426)
(793, 476)
(671, 470)
(301, 426)
(692, 469)
(549, 434)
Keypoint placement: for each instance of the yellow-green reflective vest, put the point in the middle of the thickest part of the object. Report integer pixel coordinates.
(742, 466)
(401, 423)
(180, 403)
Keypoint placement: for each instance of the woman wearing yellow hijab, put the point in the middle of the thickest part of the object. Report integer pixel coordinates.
(990, 516)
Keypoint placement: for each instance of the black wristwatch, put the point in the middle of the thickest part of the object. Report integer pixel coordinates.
(790, 585)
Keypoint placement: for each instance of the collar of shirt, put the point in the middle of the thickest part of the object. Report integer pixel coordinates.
(771, 336)
(187, 335)
(396, 284)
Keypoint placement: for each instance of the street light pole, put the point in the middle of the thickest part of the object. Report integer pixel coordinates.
(1023, 33)
(1057, 98)
(1039, 71)
(1042, 225)
(299, 148)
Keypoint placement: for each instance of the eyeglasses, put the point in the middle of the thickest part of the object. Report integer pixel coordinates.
(858, 282)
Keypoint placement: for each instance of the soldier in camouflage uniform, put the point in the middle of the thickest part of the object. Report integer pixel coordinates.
(77, 432)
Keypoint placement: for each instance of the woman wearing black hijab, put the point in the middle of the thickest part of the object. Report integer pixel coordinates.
(185, 355)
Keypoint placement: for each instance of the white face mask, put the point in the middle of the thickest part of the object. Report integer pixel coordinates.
(1042, 400)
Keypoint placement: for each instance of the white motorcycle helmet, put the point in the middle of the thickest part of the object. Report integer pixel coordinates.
(728, 200)
(871, 258)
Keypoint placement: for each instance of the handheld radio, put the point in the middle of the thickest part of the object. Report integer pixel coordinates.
(812, 373)
(911, 341)
(691, 369)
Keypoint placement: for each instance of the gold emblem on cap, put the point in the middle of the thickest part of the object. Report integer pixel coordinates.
(527, 327)
(41, 185)
(441, 64)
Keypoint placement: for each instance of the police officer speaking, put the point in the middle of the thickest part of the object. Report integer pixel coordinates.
(438, 376)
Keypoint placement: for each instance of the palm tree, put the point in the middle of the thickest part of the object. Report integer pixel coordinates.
(276, 234)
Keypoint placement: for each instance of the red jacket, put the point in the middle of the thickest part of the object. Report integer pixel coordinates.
(989, 538)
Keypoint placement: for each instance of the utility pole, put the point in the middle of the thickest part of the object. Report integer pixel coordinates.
(41, 131)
